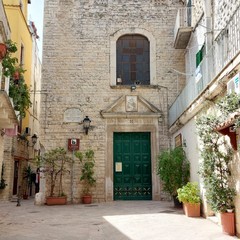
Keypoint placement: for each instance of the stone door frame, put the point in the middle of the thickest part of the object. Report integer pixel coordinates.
(131, 125)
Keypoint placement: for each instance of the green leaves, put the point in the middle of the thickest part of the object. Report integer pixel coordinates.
(173, 169)
(18, 90)
(87, 169)
(55, 163)
(217, 155)
(21, 96)
(189, 193)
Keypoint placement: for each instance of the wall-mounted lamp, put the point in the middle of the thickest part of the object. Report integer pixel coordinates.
(34, 140)
(86, 124)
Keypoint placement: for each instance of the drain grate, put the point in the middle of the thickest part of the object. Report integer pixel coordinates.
(167, 211)
(92, 205)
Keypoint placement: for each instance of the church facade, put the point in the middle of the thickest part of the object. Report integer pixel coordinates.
(112, 61)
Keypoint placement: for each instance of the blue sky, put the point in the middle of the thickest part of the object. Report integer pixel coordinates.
(35, 14)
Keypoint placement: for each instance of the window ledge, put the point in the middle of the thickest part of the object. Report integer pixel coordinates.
(137, 86)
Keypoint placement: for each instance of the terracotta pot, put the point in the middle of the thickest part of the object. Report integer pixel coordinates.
(87, 199)
(56, 200)
(25, 196)
(228, 223)
(192, 209)
(3, 50)
(16, 75)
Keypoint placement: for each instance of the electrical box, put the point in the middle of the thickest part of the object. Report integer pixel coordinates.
(73, 144)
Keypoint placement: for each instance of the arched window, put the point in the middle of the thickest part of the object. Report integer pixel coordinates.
(133, 57)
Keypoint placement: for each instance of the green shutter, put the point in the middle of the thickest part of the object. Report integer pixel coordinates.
(199, 56)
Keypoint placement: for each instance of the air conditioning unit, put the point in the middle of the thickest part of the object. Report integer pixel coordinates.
(233, 85)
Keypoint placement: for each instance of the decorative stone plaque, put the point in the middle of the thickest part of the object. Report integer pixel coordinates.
(72, 115)
(131, 104)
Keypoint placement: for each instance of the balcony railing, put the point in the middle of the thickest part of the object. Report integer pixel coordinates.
(4, 82)
(224, 49)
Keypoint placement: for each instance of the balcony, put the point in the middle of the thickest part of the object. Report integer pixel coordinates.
(224, 50)
(183, 27)
(8, 117)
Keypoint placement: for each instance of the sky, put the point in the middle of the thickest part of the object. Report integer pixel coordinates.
(35, 14)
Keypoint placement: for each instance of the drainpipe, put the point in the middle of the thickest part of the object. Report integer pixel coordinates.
(209, 26)
(209, 33)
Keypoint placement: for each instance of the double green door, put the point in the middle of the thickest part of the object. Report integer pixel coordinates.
(132, 166)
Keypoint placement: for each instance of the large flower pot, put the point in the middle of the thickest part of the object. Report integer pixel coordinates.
(192, 209)
(3, 50)
(228, 223)
(86, 199)
(56, 200)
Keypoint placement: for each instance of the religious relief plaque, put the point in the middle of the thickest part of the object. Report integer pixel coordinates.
(72, 115)
(131, 104)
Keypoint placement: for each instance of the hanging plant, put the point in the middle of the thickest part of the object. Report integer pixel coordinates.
(18, 90)
(3, 50)
(9, 62)
(21, 96)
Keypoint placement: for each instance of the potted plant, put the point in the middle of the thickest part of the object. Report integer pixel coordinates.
(3, 50)
(87, 174)
(55, 163)
(174, 171)
(28, 177)
(217, 155)
(189, 195)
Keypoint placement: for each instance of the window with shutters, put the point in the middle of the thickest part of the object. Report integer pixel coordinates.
(199, 56)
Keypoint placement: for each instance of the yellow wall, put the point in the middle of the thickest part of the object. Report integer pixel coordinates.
(21, 36)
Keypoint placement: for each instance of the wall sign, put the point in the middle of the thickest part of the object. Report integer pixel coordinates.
(73, 144)
(118, 167)
(178, 140)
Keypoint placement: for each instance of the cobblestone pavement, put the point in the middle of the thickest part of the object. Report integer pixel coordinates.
(119, 220)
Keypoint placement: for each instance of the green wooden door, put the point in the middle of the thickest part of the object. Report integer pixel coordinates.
(132, 166)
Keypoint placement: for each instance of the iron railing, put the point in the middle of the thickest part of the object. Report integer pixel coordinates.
(226, 46)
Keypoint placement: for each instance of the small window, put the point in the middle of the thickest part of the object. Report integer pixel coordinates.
(189, 13)
(133, 60)
(22, 55)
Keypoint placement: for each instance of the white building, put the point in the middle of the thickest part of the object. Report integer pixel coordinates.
(209, 33)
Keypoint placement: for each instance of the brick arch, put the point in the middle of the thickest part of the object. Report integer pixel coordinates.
(113, 39)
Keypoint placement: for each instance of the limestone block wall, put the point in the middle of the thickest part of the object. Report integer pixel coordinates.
(76, 71)
(1, 154)
(14, 149)
(8, 168)
(223, 11)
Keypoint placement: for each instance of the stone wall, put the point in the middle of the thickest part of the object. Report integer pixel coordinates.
(76, 71)
(223, 11)
(14, 149)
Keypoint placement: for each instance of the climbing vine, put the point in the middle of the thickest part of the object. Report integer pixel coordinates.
(18, 89)
(217, 155)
